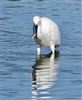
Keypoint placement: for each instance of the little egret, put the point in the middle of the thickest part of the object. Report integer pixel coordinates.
(46, 33)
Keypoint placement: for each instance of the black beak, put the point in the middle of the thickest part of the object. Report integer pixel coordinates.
(34, 31)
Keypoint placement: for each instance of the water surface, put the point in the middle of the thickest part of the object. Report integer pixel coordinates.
(24, 76)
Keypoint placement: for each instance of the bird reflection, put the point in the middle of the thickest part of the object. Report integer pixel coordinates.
(44, 73)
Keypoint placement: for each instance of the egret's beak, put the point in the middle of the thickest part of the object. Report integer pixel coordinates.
(34, 31)
(33, 36)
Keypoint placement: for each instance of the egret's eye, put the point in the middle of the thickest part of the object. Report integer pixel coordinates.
(35, 29)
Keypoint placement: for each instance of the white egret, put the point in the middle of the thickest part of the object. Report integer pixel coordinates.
(46, 33)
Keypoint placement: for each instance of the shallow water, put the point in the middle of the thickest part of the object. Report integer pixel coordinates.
(24, 76)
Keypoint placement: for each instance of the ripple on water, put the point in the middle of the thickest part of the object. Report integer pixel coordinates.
(4, 18)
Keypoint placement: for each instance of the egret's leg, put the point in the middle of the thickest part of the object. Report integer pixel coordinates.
(52, 48)
(38, 50)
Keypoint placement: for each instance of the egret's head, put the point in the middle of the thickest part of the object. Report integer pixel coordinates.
(36, 20)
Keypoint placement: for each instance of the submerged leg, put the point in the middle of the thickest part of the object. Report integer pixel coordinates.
(52, 48)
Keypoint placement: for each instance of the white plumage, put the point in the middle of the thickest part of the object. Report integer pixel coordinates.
(46, 33)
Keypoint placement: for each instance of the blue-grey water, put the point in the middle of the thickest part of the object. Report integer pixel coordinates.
(23, 75)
